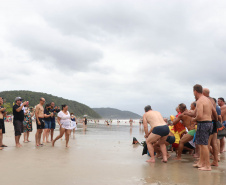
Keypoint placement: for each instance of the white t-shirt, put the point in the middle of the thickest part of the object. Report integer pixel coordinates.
(65, 119)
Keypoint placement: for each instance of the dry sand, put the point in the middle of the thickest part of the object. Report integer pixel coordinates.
(101, 155)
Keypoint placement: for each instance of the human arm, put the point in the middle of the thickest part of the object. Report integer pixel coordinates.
(2, 109)
(5, 113)
(58, 121)
(21, 107)
(191, 113)
(36, 114)
(145, 124)
(214, 113)
(177, 119)
(199, 112)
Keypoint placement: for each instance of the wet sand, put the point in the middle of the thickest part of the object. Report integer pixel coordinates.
(100, 155)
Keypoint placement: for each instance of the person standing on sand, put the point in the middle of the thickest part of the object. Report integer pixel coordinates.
(64, 120)
(54, 110)
(18, 118)
(27, 122)
(47, 119)
(73, 118)
(39, 114)
(2, 124)
(222, 105)
(159, 131)
(204, 112)
(85, 122)
(213, 136)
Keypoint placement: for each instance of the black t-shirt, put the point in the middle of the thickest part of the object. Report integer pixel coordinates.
(18, 115)
(47, 112)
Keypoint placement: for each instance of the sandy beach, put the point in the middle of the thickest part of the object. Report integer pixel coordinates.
(100, 155)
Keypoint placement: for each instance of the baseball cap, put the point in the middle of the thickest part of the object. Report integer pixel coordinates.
(18, 98)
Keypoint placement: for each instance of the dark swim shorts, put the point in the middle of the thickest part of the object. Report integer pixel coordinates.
(161, 130)
(18, 127)
(2, 126)
(42, 126)
(214, 127)
(204, 130)
(170, 139)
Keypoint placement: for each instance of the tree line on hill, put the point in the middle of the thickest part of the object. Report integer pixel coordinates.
(77, 108)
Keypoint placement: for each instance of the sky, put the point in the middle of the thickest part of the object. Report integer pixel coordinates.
(122, 54)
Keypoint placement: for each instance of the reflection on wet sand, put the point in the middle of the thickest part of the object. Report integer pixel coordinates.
(98, 155)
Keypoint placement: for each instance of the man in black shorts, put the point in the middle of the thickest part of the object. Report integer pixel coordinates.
(18, 118)
(39, 114)
(2, 124)
(213, 136)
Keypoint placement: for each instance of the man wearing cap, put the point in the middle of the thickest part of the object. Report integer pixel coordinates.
(18, 118)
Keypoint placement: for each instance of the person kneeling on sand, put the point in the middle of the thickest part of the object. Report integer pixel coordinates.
(159, 131)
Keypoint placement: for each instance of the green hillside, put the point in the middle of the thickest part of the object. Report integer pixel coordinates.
(33, 97)
(110, 113)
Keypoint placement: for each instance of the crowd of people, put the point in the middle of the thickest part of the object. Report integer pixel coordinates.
(195, 130)
(45, 118)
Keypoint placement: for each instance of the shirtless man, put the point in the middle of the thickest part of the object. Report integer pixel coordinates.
(186, 121)
(222, 105)
(2, 125)
(159, 131)
(39, 114)
(204, 112)
(213, 137)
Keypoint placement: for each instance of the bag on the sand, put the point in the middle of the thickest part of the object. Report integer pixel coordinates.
(135, 141)
(145, 149)
(221, 130)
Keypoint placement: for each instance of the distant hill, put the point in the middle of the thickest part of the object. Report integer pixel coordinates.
(33, 97)
(110, 113)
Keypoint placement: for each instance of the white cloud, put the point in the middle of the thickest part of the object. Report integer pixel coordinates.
(121, 54)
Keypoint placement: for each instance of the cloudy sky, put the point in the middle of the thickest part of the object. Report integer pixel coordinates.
(122, 54)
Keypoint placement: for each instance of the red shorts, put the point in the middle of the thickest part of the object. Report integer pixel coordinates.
(175, 145)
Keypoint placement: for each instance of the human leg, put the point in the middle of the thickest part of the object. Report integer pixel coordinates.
(206, 160)
(62, 131)
(67, 134)
(222, 145)
(150, 140)
(162, 141)
(215, 150)
(186, 138)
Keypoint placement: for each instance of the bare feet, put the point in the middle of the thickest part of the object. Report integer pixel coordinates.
(196, 156)
(197, 166)
(177, 158)
(67, 146)
(151, 160)
(1, 148)
(48, 141)
(18, 145)
(205, 168)
(164, 161)
(214, 164)
(53, 143)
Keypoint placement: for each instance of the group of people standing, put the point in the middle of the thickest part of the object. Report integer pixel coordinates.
(199, 125)
(45, 122)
